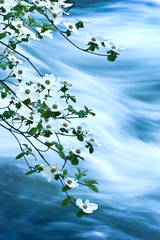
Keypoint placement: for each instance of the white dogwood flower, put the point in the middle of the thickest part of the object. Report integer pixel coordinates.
(14, 59)
(56, 105)
(86, 207)
(55, 12)
(49, 81)
(71, 182)
(20, 72)
(50, 172)
(113, 46)
(51, 124)
(35, 117)
(24, 92)
(81, 127)
(40, 3)
(67, 84)
(18, 25)
(79, 151)
(93, 38)
(64, 4)
(47, 33)
(90, 139)
(71, 26)
(7, 4)
(22, 31)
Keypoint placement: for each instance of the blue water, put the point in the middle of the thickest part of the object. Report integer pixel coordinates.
(125, 96)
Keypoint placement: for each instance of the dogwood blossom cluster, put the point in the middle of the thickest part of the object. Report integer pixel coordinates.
(41, 110)
(17, 19)
(37, 108)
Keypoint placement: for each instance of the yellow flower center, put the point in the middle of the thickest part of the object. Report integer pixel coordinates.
(93, 39)
(53, 170)
(85, 206)
(79, 127)
(20, 72)
(69, 181)
(27, 91)
(54, 15)
(92, 140)
(55, 106)
(70, 27)
(19, 25)
(47, 82)
(78, 151)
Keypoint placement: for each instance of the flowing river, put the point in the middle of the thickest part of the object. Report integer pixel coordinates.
(125, 96)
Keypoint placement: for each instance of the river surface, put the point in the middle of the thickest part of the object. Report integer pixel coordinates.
(125, 96)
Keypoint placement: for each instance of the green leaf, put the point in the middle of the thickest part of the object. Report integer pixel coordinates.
(65, 188)
(65, 172)
(90, 184)
(2, 35)
(30, 20)
(8, 114)
(93, 188)
(92, 113)
(72, 98)
(58, 146)
(79, 24)
(66, 202)
(32, 131)
(90, 181)
(92, 46)
(62, 155)
(80, 137)
(80, 213)
(68, 33)
(82, 113)
(47, 133)
(112, 56)
(48, 144)
(91, 149)
(3, 94)
(103, 44)
(29, 172)
(74, 160)
(27, 102)
(20, 155)
(80, 174)
(56, 177)
(64, 89)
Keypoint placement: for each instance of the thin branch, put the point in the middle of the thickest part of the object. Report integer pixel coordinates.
(72, 43)
(20, 54)
(21, 148)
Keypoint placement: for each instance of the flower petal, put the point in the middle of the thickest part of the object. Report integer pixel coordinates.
(88, 210)
(79, 203)
(93, 206)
